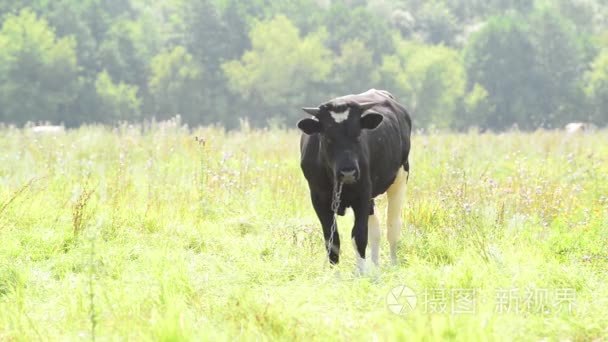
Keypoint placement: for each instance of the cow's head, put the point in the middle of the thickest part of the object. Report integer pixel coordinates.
(340, 126)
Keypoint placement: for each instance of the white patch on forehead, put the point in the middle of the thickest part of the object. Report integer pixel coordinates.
(339, 117)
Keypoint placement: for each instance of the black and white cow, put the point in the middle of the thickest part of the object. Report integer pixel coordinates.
(363, 141)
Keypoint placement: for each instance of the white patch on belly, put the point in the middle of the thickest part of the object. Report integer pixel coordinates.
(339, 117)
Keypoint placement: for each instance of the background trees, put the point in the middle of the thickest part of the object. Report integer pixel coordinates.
(278, 49)
(176, 83)
(38, 71)
(596, 88)
(430, 79)
(454, 64)
(500, 59)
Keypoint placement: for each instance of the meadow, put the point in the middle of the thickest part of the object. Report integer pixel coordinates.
(161, 233)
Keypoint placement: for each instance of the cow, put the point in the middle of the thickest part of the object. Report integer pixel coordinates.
(363, 142)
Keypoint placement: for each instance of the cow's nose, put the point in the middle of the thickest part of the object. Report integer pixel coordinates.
(348, 175)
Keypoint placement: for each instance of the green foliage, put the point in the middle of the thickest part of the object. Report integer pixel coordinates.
(476, 106)
(354, 69)
(176, 84)
(127, 49)
(587, 15)
(538, 86)
(117, 101)
(436, 24)
(528, 57)
(558, 62)
(281, 67)
(507, 77)
(429, 79)
(347, 21)
(596, 88)
(38, 72)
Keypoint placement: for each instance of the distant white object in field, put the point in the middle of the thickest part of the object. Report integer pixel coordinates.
(575, 127)
(48, 129)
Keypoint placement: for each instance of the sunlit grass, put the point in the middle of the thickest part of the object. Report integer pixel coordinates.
(182, 239)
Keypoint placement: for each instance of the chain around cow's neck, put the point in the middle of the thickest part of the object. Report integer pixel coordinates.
(335, 206)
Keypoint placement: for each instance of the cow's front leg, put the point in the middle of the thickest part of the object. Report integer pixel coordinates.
(322, 206)
(359, 235)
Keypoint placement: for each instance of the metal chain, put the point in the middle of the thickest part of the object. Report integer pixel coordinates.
(335, 206)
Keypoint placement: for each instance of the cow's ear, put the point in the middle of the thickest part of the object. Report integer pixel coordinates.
(371, 120)
(309, 126)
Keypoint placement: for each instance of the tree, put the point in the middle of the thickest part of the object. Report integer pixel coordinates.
(176, 84)
(469, 10)
(127, 50)
(281, 70)
(88, 21)
(354, 69)
(559, 63)
(526, 62)
(500, 58)
(429, 79)
(117, 101)
(436, 24)
(207, 35)
(476, 106)
(586, 15)
(345, 22)
(38, 72)
(596, 89)
(530, 67)
(215, 32)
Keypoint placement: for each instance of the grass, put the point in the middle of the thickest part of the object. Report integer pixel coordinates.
(148, 233)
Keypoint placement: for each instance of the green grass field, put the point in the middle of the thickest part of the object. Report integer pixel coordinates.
(148, 234)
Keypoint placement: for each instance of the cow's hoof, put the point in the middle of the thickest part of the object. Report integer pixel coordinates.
(394, 260)
(360, 272)
(361, 269)
(376, 261)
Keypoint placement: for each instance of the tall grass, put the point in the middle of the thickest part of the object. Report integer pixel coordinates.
(147, 233)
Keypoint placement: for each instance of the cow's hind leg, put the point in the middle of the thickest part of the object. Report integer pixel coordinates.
(396, 201)
(373, 234)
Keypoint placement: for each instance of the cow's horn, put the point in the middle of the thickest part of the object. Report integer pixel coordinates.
(366, 105)
(311, 110)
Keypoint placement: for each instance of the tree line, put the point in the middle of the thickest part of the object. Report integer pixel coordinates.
(454, 64)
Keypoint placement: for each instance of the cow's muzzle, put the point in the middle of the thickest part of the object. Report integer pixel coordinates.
(348, 176)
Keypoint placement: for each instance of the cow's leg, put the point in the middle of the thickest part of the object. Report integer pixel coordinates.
(396, 201)
(322, 207)
(359, 235)
(373, 237)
